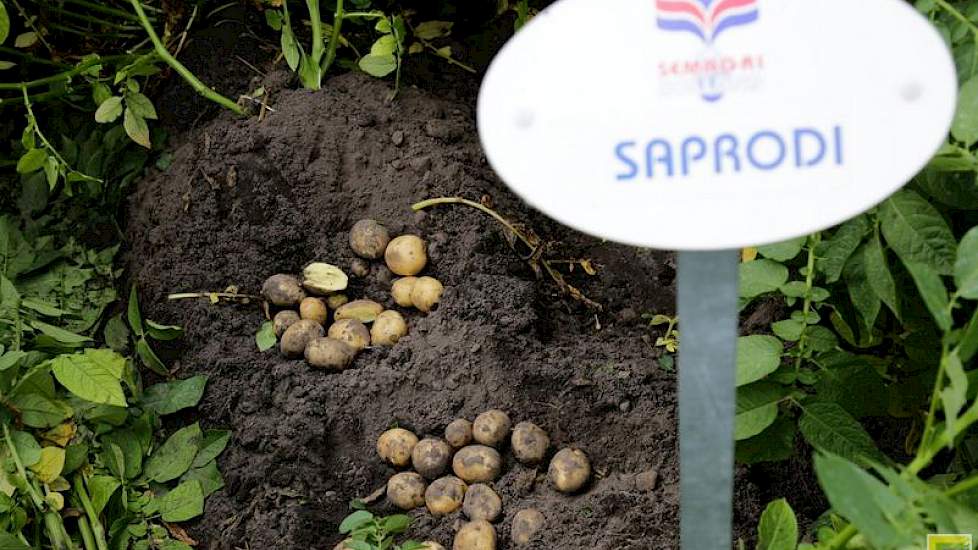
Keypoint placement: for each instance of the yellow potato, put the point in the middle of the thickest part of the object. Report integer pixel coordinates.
(313, 309)
(295, 338)
(401, 291)
(426, 293)
(282, 290)
(351, 331)
(476, 535)
(388, 328)
(530, 443)
(445, 495)
(364, 311)
(477, 464)
(334, 301)
(491, 428)
(430, 457)
(569, 470)
(283, 320)
(329, 353)
(369, 239)
(526, 523)
(405, 255)
(406, 490)
(481, 502)
(459, 433)
(395, 446)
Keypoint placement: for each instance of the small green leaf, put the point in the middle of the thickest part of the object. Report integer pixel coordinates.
(398, 523)
(290, 48)
(878, 274)
(176, 455)
(7, 540)
(49, 467)
(209, 477)
(185, 501)
(25, 39)
(757, 357)
(38, 411)
(383, 46)
(828, 427)
(833, 254)
(135, 317)
(954, 395)
(783, 251)
(865, 300)
(32, 161)
(60, 334)
(273, 18)
(760, 277)
(169, 397)
(116, 334)
(149, 358)
(378, 65)
(775, 443)
(27, 447)
(965, 125)
(136, 128)
(4, 65)
(355, 520)
(917, 232)
(757, 408)
(101, 488)
(789, 330)
(213, 444)
(265, 337)
(141, 105)
(4, 23)
(163, 333)
(778, 529)
(933, 291)
(966, 266)
(93, 375)
(109, 110)
(429, 30)
(100, 93)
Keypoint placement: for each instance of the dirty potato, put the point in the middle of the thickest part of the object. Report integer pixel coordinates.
(369, 239)
(430, 457)
(352, 332)
(364, 311)
(329, 353)
(426, 293)
(481, 502)
(334, 301)
(342, 545)
(458, 433)
(313, 309)
(530, 443)
(388, 328)
(395, 446)
(477, 464)
(282, 290)
(359, 268)
(406, 490)
(476, 535)
(491, 427)
(569, 470)
(283, 320)
(297, 337)
(405, 255)
(401, 291)
(445, 495)
(526, 523)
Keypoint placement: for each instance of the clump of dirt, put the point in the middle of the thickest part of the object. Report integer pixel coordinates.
(244, 199)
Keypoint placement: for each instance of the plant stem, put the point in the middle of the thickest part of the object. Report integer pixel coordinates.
(963, 486)
(67, 75)
(94, 20)
(317, 30)
(97, 531)
(50, 148)
(35, 497)
(957, 15)
(86, 534)
(926, 437)
(165, 55)
(459, 200)
(28, 57)
(232, 295)
(334, 36)
(93, 6)
(450, 60)
(807, 304)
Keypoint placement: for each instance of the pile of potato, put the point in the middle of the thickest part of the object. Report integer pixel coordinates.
(305, 305)
(470, 451)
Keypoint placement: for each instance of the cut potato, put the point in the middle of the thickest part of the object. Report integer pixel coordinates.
(321, 278)
(364, 311)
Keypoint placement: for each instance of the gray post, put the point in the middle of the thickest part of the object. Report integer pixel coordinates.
(708, 283)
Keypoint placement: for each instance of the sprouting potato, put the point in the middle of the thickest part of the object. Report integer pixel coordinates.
(526, 523)
(406, 490)
(321, 278)
(396, 445)
(297, 337)
(476, 535)
(282, 290)
(352, 332)
(334, 301)
(477, 464)
(426, 293)
(329, 353)
(401, 291)
(430, 457)
(530, 443)
(481, 502)
(283, 320)
(313, 309)
(569, 470)
(458, 433)
(388, 328)
(491, 428)
(369, 239)
(405, 255)
(364, 311)
(445, 495)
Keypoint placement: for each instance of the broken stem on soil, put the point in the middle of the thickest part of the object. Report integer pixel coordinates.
(212, 295)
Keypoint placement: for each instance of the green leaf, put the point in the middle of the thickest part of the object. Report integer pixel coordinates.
(933, 291)
(38, 411)
(75, 456)
(184, 502)
(965, 125)
(4, 25)
(397, 523)
(265, 337)
(175, 456)
(11, 359)
(760, 277)
(117, 334)
(290, 48)
(209, 477)
(132, 452)
(383, 46)
(7, 540)
(378, 65)
(25, 39)
(211, 446)
(132, 312)
(821, 339)
(101, 488)
(429, 30)
(60, 334)
(833, 254)
(355, 520)
(783, 251)
(273, 18)
(968, 345)
(954, 395)
(149, 358)
(100, 93)
(163, 333)
(828, 427)
(778, 529)
(109, 110)
(917, 232)
(878, 274)
(789, 330)
(757, 357)
(27, 447)
(93, 375)
(775, 443)
(141, 105)
(136, 128)
(864, 299)
(169, 397)
(32, 161)
(757, 408)
(966, 266)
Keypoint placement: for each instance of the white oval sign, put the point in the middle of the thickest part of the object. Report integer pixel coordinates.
(712, 124)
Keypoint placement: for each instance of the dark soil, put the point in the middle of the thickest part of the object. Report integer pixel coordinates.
(245, 199)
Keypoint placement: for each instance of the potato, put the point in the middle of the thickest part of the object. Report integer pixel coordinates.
(491, 427)
(329, 353)
(282, 290)
(426, 293)
(431, 545)
(388, 328)
(313, 309)
(477, 464)
(297, 337)
(352, 332)
(526, 523)
(476, 535)
(405, 255)
(369, 239)
(320, 278)
(401, 291)
(364, 311)
(481, 502)
(406, 490)
(445, 495)
(334, 301)
(459, 433)
(395, 446)
(430, 457)
(530, 443)
(283, 320)
(359, 268)
(569, 470)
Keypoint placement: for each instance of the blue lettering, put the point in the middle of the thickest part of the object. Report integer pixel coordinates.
(753, 157)
(699, 154)
(650, 159)
(800, 161)
(838, 145)
(719, 151)
(622, 156)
